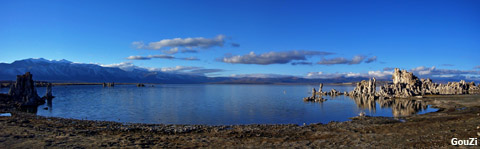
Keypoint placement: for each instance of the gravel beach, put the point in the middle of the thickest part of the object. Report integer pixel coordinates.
(457, 118)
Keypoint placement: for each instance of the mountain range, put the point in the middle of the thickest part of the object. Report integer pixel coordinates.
(67, 71)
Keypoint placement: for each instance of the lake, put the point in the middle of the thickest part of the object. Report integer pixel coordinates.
(214, 104)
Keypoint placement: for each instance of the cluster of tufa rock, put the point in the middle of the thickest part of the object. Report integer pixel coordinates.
(320, 93)
(406, 85)
(333, 92)
(314, 97)
(23, 92)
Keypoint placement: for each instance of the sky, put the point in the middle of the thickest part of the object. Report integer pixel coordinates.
(250, 38)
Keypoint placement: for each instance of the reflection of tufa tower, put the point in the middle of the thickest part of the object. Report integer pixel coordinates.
(400, 107)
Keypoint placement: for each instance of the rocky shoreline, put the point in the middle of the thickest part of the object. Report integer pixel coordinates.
(458, 118)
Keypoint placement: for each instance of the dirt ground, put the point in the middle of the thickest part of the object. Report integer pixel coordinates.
(458, 117)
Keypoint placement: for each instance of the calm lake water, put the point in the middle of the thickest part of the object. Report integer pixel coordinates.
(214, 104)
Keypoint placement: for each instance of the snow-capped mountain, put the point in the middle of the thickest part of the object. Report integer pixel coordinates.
(67, 71)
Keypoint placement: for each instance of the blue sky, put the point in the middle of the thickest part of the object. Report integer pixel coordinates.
(331, 37)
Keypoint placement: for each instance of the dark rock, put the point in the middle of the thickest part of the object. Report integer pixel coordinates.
(313, 93)
(140, 85)
(48, 93)
(24, 92)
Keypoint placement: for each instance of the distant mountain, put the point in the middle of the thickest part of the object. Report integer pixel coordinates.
(67, 71)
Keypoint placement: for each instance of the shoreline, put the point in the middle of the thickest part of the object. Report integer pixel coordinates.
(6, 84)
(456, 118)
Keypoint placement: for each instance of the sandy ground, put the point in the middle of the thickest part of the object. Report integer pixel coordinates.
(459, 117)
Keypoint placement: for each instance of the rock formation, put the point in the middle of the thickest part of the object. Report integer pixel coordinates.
(320, 88)
(314, 97)
(140, 85)
(364, 88)
(23, 91)
(48, 93)
(405, 85)
(334, 92)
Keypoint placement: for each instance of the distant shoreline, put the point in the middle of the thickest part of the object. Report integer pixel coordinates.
(4, 84)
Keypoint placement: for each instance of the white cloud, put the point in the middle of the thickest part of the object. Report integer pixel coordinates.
(371, 59)
(341, 60)
(138, 58)
(191, 70)
(197, 42)
(370, 74)
(138, 44)
(161, 57)
(178, 68)
(150, 57)
(171, 51)
(271, 57)
(434, 72)
(127, 66)
(380, 74)
(187, 70)
(190, 58)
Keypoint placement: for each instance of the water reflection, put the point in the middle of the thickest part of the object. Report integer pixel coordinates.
(49, 105)
(209, 104)
(400, 107)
